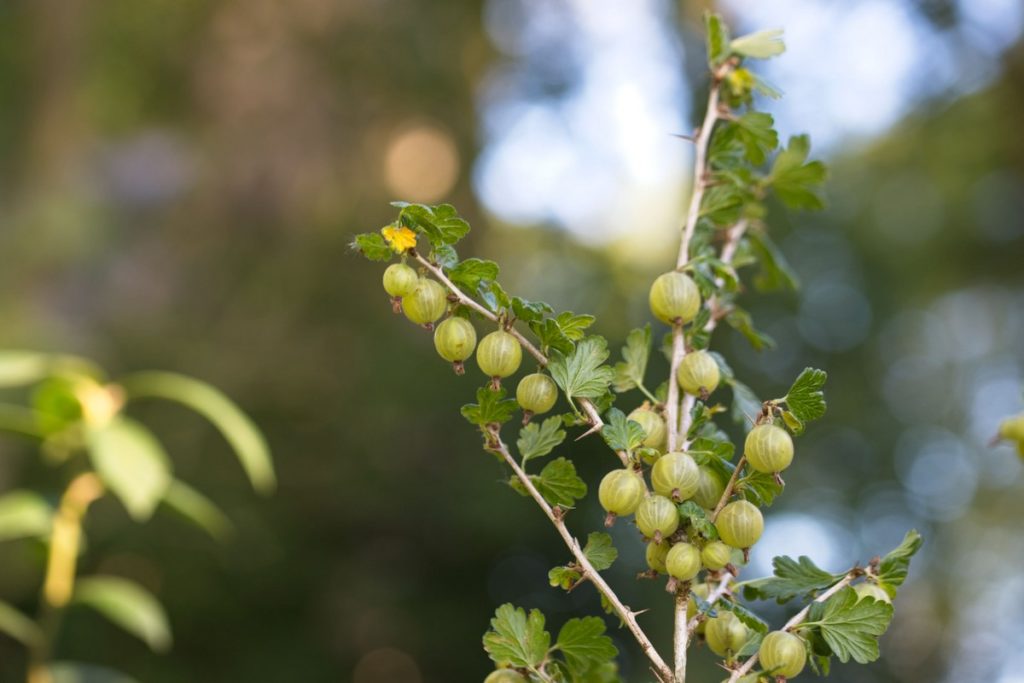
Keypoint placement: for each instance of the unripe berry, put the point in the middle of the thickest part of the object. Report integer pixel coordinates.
(1012, 428)
(868, 589)
(455, 339)
(675, 476)
(425, 303)
(726, 634)
(505, 676)
(698, 372)
(657, 517)
(740, 524)
(768, 448)
(674, 295)
(537, 393)
(654, 427)
(620, 492)
(716, 555)
(400, 279)
(499, 354)
(683, 561)
(656, 554)
(709, 489)
(783, 654)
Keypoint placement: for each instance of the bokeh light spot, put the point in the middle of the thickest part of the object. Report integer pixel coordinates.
(421, 163)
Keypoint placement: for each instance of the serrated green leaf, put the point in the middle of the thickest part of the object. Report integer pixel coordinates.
(759, 45)
(756, 132)
(131, 463)
(445, 256)
(538, 440)
(494, 296)
(563, 577)
(621, 433)
(759, 488)
(441, 224)
(805, 398)
(697, 517)
(470, 273)
(235, 426)
(529, 311)
(600, 551)
(796, 181)
(491, 407)
(24, 514)
(574, 325)
(515, 639)
(558, 483)
(373, 246)
(718, 38)
(581, 374)
(584, 644)
(629, 373)
(127, 605)
(851, 626)
(892, 570)
(18, 626)
(791, 578)
(747, 616)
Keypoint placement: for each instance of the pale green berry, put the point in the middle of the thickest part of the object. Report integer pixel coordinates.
(716, 555)
(505, 676)
(698, 372)
(657, 517)
(653, 426)
(726, 634)
(869, 589)
(656, 554)
(674, 296)
(426, 302)
(768, 448)
(740, 524)
(499, 354)
(537, 393)
(710, 488)
(455, 339)
(675, 476)
(621, 492)
(400, 279)
(783, 654)
(683, 561)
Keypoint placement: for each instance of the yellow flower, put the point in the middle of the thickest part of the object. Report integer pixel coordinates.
(400, 239)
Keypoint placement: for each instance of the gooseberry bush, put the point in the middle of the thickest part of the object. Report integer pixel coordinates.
(676, 476)
(78, 416)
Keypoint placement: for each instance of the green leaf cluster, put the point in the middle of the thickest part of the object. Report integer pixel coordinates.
(792, 578)
(849, 626)
(491, 407)
(581, 652)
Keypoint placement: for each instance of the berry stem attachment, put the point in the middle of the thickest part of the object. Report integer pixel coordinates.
(586, 568)
(588, 408)
(799, 618)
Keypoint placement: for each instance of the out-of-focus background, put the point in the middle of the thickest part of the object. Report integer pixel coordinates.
(179, 180)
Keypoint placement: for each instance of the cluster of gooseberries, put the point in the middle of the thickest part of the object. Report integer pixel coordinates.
(499, 354)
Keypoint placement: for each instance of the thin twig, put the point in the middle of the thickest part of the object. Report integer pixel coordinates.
(591, 411)
(727, 493)
(700, 168)
(681, 639)
(586, 568)
(799, 618)
(713, 597)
